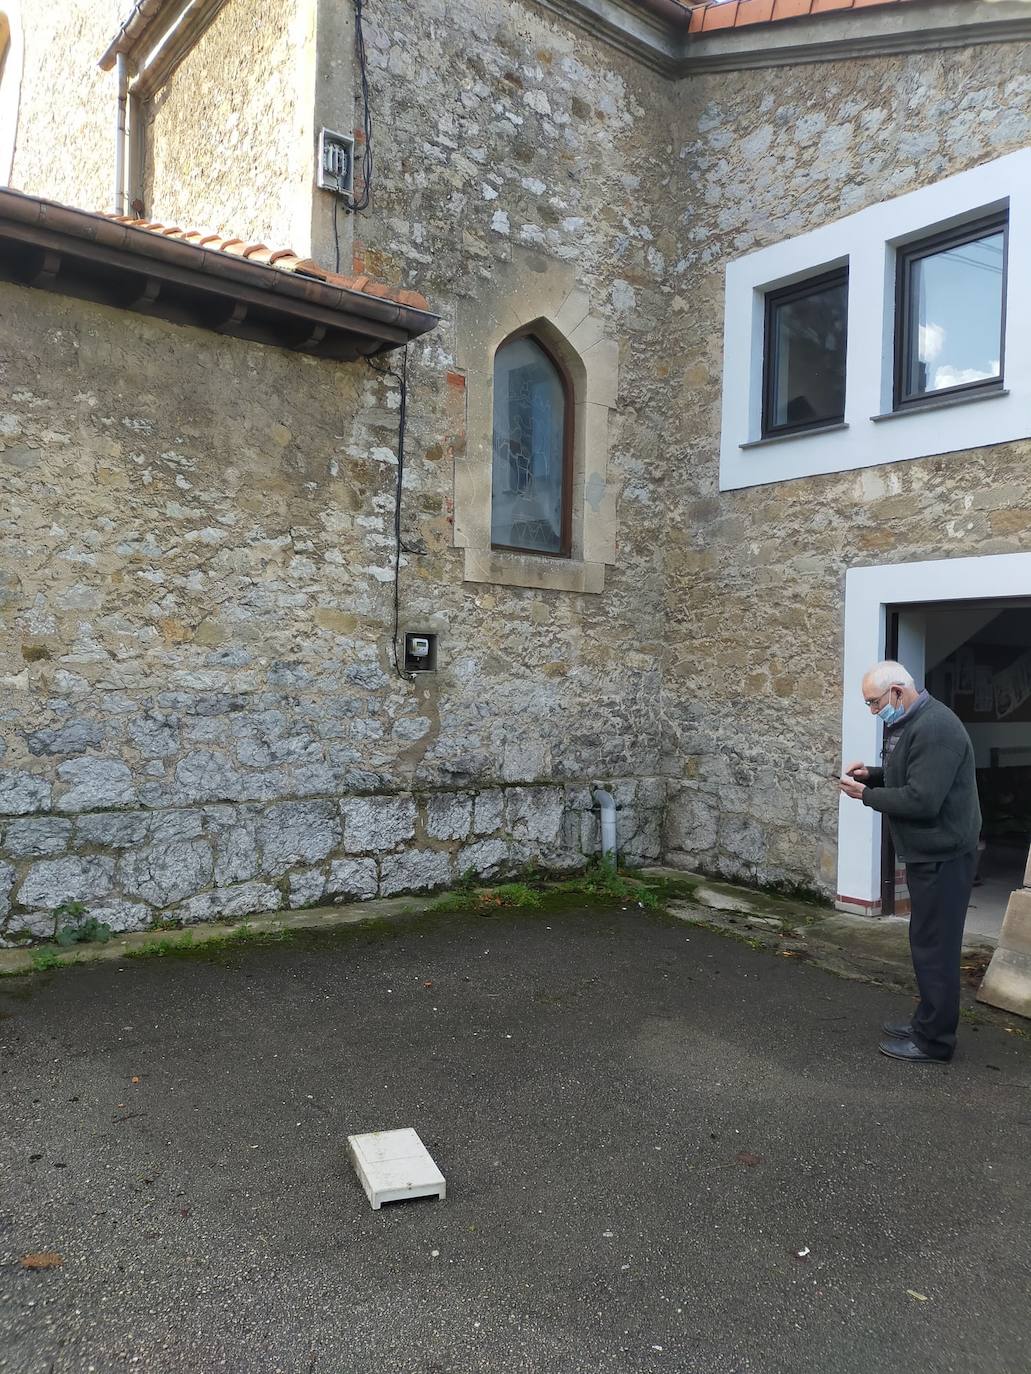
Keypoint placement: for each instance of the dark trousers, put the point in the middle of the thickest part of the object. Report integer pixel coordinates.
(939, 894)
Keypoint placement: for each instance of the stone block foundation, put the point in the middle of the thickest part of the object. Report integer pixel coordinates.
(133, 867)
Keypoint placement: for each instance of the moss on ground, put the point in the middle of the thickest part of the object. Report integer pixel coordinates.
(600, 887)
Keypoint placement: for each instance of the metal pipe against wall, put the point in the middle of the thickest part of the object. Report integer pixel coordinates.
(607, 806)
(121, 121)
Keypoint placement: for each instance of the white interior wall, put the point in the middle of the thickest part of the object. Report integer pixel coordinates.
(913, 642)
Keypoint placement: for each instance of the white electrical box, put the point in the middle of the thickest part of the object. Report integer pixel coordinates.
(336, 163)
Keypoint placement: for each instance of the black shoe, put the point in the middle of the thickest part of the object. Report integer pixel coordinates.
(898, 1030)
(908, 1050)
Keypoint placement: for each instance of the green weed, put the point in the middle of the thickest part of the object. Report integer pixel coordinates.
(603, 881)
(44, 959)
(76, 930)
(484, 899)
(159, 949)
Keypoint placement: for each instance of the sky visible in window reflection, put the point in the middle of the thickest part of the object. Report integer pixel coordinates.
(957, 302)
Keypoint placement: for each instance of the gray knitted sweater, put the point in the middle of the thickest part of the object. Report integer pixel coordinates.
(927, 787)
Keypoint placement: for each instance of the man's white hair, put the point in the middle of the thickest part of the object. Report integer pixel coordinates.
(889, 674)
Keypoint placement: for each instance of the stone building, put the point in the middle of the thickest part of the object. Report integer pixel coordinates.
(595, 234)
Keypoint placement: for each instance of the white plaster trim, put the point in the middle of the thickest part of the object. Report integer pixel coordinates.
(543, 293)
(868, 591)
(866, 241)
(10, 89)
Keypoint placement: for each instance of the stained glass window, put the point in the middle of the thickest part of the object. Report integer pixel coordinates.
(529, 486)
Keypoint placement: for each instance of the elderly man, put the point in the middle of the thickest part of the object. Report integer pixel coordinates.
(927, 789)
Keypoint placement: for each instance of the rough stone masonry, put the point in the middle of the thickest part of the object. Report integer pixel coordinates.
(200, 714)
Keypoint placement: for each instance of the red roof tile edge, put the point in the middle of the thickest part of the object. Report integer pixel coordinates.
(279, 259)
(710, 15)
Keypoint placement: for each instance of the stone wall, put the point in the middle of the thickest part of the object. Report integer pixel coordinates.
(66, 118)
(755, 587)
(229, 143)
(499, 127)
(200, 714)
(198, 560)
(129, 867)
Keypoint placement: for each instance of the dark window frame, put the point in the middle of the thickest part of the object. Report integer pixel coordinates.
(839, 276)
(909, 253)
(565, 549)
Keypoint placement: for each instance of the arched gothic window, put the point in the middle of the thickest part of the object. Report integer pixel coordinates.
(533, 449)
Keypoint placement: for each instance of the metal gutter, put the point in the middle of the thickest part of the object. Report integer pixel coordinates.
(132, 30)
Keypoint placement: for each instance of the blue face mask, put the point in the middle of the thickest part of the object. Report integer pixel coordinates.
(890, 714)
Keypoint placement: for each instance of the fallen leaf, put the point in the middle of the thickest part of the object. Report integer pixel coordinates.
(748, 1159)
(42, 1259)
(920, 1297)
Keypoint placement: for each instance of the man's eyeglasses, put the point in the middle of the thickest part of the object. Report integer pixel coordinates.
(867, 701)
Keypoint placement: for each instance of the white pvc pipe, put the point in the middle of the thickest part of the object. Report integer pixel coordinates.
(607, 806)
(122, 78)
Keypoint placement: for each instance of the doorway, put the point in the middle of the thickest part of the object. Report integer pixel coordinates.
(974, 593)
(975, 656)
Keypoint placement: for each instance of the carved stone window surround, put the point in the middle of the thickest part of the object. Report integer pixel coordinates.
(542, 296)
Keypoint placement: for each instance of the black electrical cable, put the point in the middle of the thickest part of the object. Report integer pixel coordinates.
(399, 545)
(362, 201)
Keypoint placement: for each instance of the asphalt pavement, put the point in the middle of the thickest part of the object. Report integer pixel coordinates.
(664, 1151)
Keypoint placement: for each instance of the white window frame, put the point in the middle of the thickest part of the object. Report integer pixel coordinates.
(872, 432)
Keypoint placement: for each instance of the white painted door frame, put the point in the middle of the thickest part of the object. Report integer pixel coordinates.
(868, 594)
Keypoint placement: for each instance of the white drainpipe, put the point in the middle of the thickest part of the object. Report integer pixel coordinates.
(122, 78)
(607, 805)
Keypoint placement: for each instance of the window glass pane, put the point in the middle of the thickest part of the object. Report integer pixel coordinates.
(955, 316)
(806, 357)
(529, 449)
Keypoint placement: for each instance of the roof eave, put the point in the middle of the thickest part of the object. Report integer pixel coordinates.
(76, 253)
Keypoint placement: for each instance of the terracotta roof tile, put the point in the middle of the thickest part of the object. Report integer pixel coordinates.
(754, 12)
(710, 15)
(278, 259)
(721, 16)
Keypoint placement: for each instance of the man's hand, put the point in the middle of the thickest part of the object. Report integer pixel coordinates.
(852, 788)
(859, 771)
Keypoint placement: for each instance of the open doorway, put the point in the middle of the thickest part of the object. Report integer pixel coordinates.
(975, 656)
